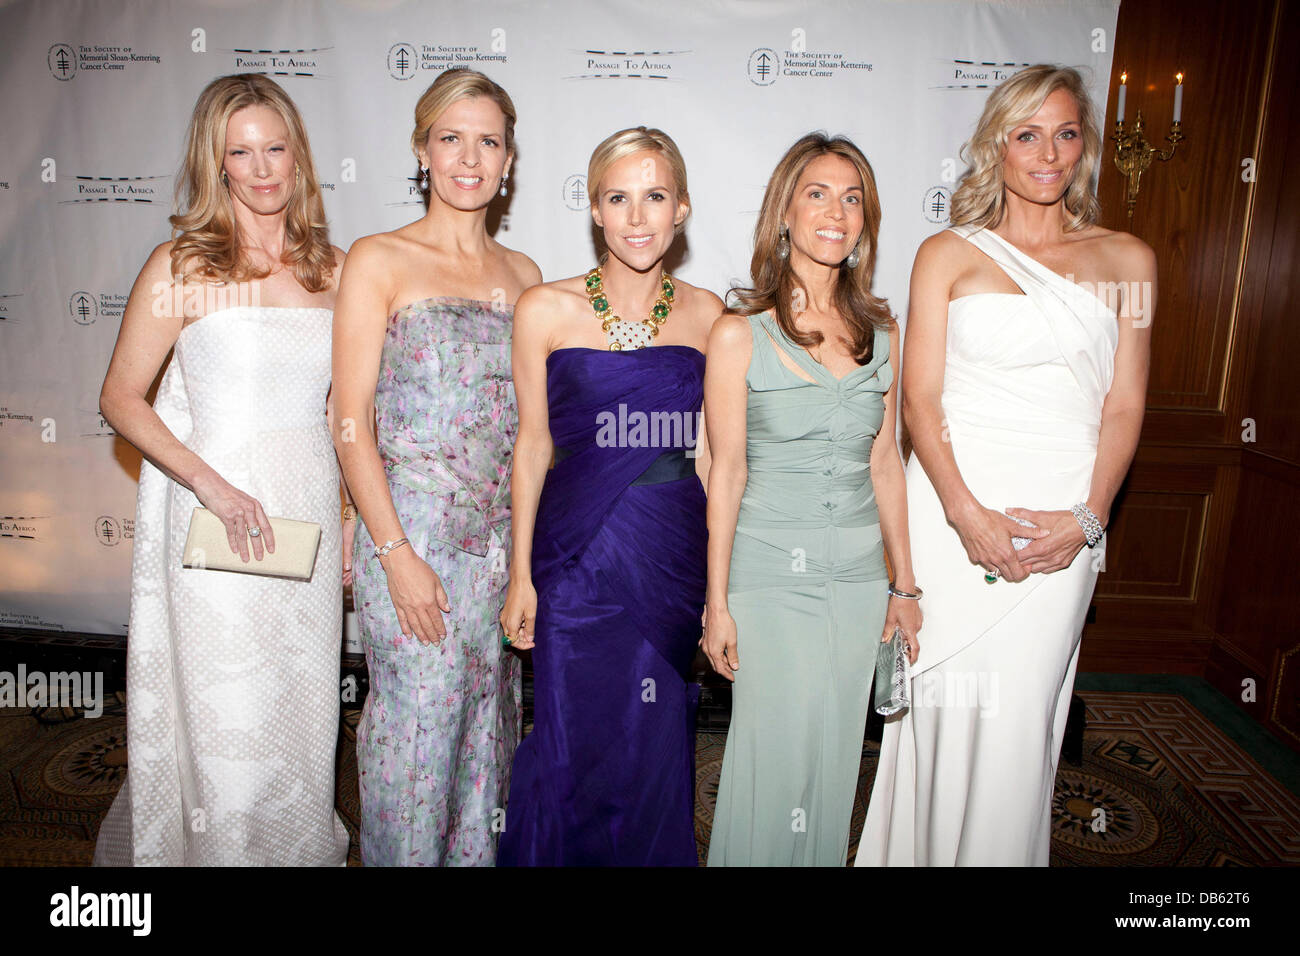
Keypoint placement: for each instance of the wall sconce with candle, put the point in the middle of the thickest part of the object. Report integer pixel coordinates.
(1133, 154)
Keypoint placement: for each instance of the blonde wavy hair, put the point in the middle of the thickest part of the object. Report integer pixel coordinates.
(454, 84)
(774, 281)
(635, 140)
(205, 235)
(980, 199)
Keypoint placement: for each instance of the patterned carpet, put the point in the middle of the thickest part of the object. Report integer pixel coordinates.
(1175, 790)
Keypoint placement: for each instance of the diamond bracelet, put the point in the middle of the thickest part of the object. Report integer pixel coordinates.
(389, 546)
(1092, 529)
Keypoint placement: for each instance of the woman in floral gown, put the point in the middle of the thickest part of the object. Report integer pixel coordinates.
(422, 350)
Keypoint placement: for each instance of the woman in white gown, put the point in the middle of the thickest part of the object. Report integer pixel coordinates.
(1024, 383)
(232, 679)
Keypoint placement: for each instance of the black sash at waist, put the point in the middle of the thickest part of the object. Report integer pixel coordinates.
(672, 465)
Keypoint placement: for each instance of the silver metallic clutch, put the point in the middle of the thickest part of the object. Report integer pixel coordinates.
(893, 677)
(1018, 542)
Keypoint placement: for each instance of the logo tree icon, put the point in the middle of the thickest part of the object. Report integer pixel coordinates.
(62, 61)
(764, 66)
(402, 63)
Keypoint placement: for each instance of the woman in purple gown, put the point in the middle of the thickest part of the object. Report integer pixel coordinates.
(607, 572)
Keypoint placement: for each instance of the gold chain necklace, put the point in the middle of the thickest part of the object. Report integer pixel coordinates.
(621, 334)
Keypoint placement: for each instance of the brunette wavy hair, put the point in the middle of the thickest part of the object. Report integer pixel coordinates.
(774, 283)
(205, 235)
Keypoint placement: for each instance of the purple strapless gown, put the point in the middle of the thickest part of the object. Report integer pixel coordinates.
(606, 778)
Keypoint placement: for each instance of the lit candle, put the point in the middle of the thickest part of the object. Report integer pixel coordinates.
(1123, 93)
(1178, 98)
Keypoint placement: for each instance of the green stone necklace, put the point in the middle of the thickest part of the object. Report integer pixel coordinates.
(621, 334)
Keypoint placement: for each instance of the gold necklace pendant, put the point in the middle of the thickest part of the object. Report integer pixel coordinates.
(621, 334)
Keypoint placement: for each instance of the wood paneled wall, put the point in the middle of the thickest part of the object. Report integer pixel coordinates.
(1258, 622)
(1201, 561)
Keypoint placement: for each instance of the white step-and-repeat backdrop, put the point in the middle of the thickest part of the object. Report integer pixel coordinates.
(95, 96)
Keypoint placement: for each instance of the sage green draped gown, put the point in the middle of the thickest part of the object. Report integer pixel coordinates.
(808, 592)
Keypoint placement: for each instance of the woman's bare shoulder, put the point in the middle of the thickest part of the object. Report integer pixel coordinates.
(158, 267)
(523, 267)
(562, 294)
(944, 241)
(1123, 254)
(1126, 244)
(941, 259)
(703, 305)
(370, 252)
(731, 331)
(942, 247)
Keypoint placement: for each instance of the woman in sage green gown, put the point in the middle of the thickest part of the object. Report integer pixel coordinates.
(806, 495)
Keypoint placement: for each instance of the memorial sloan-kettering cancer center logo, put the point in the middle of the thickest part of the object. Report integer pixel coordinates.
(111, 531)
(65, 60)
(85, 307)
(403, 63)
(797, 60)
(764, 66)
(405, 60)
(935, 206)
(62, 61)
(574, 192)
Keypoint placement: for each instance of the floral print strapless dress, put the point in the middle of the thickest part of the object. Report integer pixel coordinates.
(440, 724)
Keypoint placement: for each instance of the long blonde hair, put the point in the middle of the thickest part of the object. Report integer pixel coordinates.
(637, 139)
(774, 281)
(454, 84)
(205, 239)
(980, 199)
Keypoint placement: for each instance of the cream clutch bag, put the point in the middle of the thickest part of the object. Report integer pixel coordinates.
(296, 543)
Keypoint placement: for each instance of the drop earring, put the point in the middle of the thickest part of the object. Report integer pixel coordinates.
(504, 177)
(424, 179)
(853, 259)
(783, 242)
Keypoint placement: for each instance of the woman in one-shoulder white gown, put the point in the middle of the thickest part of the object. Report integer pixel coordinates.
(1024, 391)
(232, 679)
